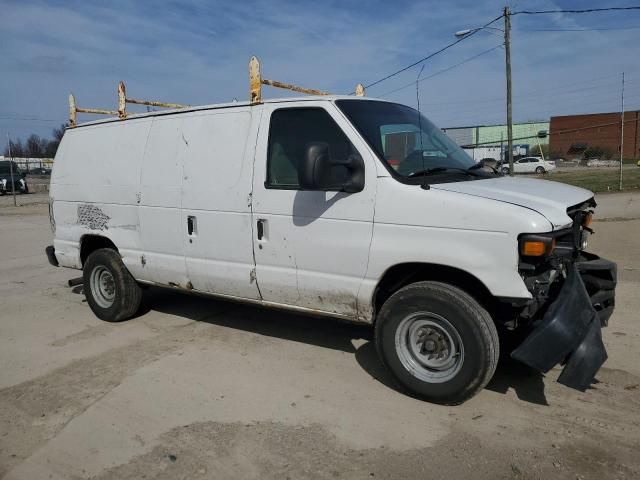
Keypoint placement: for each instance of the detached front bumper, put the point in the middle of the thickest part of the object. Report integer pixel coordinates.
(569, 333)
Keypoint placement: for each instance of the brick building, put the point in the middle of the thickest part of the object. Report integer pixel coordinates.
(570, 135)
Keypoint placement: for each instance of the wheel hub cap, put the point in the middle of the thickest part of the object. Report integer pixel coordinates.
(429, 347)
(103, 286)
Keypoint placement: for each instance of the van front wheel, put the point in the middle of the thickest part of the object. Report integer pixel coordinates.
(437, 342)
(111, 291)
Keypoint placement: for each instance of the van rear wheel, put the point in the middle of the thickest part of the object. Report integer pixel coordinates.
(437, 341)
(111, 291)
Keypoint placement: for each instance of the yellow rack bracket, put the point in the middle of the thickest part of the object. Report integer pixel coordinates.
(255, 81)
(122, 100)
(72, 110)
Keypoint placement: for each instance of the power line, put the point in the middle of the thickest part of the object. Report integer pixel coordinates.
(431, 55)
(520, 100)
(589, 10)
(27, 119)
(541, 94)
(442, 71)
(479, 119)
(575, 29)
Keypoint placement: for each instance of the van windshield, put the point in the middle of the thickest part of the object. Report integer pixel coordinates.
(406, 141)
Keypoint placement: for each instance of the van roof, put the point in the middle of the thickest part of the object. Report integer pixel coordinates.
(174, 111)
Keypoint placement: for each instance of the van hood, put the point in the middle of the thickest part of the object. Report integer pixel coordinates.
(550, 199)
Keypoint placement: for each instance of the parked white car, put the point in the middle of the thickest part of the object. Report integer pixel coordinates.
(530, 165)
(294, 204)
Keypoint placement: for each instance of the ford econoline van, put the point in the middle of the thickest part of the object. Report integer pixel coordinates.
(314, 205)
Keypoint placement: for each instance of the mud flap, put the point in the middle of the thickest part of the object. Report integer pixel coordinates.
(570, 332)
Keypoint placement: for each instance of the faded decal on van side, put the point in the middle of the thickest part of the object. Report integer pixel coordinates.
(92, 217)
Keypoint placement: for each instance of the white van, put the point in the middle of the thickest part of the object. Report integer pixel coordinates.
(297, 204)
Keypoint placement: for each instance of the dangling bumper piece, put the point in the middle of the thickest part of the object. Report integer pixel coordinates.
(569, 333)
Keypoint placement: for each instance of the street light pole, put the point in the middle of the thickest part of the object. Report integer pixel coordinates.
(621, 132)
(13, 183)
(507, 50)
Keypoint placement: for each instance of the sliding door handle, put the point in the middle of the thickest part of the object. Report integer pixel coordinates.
(260, 229)
(191, 224)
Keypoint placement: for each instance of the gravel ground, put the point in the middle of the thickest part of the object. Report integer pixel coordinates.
(199, 388)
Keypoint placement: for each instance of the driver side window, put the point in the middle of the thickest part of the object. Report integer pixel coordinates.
(291, 131)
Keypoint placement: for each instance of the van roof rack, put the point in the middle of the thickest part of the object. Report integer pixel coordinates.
(255, 95)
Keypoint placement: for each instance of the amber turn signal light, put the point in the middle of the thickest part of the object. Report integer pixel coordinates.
(587, 219)
(537, 248)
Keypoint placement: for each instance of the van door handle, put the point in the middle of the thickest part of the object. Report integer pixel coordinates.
(260, 229)
(191, 221)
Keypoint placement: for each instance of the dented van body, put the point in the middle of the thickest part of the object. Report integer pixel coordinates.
(297, 204)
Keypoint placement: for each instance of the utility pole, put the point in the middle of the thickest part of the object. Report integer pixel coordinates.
(621, 131)
(507, 50)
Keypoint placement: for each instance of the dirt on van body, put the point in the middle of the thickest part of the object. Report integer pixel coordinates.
(198, 388)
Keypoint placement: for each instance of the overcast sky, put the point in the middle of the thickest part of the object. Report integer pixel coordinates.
(196, 52)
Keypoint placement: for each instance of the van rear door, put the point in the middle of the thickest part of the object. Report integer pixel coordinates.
(216, 194)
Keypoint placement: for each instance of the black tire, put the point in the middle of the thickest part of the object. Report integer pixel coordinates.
(473, 326)
(125, 291)
(540, 170)
(25, 190)
(505, 171)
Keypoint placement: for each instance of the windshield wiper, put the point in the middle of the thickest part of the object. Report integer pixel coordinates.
(431, 171)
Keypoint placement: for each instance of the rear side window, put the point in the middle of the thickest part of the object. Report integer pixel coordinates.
(290, 132)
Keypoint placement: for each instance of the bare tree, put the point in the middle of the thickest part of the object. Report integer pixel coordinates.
(36, 146)
(58, 133)
(17, 149)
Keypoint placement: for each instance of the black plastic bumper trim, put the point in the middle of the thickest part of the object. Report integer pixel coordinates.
(51, 255)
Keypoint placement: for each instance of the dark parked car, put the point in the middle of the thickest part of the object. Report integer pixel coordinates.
(12, 178)
(39, 171)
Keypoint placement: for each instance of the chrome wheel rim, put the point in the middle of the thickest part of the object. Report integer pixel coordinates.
(103, 286)
(429, 347)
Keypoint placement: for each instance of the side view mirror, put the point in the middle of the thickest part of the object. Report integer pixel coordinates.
(321, 172)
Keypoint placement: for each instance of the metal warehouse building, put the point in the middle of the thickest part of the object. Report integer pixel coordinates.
(571, 135)
(486, 140)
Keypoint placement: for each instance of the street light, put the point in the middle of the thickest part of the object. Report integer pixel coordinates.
(464, 33)
(507, 48)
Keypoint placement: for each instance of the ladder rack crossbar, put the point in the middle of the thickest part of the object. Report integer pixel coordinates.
(295, 88)
(152, 103)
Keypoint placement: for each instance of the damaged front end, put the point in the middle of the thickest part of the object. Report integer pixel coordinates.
(573, 298)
